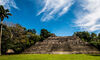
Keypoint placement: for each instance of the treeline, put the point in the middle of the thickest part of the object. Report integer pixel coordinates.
(18, 38)
(92, 38)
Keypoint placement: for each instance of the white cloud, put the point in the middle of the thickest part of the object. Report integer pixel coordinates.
(55, 8)
(8, 4)
(89, 19)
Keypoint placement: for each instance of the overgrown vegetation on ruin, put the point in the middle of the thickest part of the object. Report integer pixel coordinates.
(92, 38)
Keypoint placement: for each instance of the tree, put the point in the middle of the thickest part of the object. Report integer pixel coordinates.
(44, 33)
(93, 36)
(17, 38)
(3, 13)
(83, 35)
(99, 35)
(32, 31)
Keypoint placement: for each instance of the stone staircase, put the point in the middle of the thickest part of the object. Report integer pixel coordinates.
(62, 45)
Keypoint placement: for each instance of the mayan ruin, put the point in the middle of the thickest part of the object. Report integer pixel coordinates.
(62, 45)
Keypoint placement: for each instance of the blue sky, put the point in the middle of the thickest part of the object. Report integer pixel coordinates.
(63, 17)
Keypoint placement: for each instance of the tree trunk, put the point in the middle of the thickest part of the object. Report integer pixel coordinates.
(1, 36)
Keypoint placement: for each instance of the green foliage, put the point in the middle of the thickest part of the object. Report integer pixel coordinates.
(93, 35)
(83, 35)
(17, 38)
(99, 36)
(32, 31)
(91, 38)
(45, 34)
(33, 37)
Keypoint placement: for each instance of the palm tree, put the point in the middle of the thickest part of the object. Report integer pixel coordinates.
(3, 13)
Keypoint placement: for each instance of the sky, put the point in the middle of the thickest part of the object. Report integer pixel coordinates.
(62, 17)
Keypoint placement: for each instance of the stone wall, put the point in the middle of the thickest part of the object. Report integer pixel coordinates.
(62, 45)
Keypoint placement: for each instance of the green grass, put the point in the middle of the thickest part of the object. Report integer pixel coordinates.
(50, 57)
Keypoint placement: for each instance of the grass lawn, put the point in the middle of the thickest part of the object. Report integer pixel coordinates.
(50, 57)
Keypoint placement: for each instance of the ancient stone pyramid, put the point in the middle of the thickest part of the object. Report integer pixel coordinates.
(62, 45)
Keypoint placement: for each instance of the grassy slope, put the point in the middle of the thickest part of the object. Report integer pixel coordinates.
(49, 57)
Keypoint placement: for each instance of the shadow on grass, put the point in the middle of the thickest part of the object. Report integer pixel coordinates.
(95, 55)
